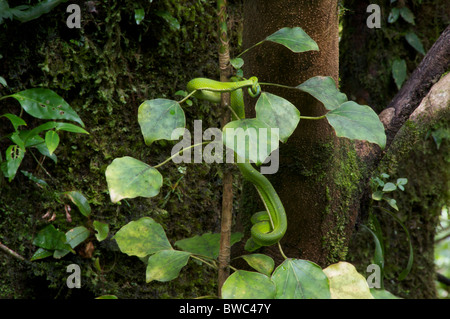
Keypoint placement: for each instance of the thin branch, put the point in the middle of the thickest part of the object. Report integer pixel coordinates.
(443, 280)
(11, 252)
(435, 63)
(227, 180)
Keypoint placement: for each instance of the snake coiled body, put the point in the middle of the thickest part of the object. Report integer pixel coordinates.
(268, 226)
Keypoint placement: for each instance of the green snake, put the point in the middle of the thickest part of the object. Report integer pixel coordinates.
(268, 226)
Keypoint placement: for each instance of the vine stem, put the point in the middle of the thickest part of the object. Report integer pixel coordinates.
(279, 85)
(204, 261)
(227, 180)
(248, 49)
(312, 117)
(178, 153)
(187, 96)
(11, 252)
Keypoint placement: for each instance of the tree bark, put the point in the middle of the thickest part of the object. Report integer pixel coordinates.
(304, 159)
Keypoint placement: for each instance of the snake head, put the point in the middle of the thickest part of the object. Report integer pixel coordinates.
(255, 89)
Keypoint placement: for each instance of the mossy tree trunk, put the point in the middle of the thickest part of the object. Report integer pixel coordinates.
(307, 180)
(365, 72)
(323, 181)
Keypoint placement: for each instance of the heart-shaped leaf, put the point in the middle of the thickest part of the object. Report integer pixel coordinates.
(260, 262)
(206, 244)
(159, 120)
(277, 112)
(300, 279)
(346, 282)
(165, 265)
(142, 238)
(324, 89)
(355, 121)
(128, 177)
(244, 284)
(251, 139)
(295, 39)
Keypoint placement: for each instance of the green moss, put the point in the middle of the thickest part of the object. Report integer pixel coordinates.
(427, 168)
(105, 70)
(345, 185)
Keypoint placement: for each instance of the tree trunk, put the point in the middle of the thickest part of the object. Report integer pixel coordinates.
(317, 223)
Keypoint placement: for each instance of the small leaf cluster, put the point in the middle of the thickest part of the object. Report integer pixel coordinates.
(54, 242)
(42, 104)
(381, 188)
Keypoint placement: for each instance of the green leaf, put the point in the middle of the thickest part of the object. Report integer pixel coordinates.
(392, 202)
(77, 235)
(50, 238)
(129, 178)
(52, 141)
(139, 15)
(206, 245)
(389, 187)
(407, 15)
(244, 284)
(251, 246)
(39, 143)
(324, 89)
(80, 201)
(15, 138)
(159, 119)
(69, 128)
(2, 79)
(260, 262)
(251, 139)
(107, 297)
(300, 279)
(399, 72)
(415, 42)
(102, 230)
(15, 120)
(26, 135)
(401, 182)
(142, 238)
(382, 294)
(355, 121)
(346, 282)
(165, 265)
(173, 22)
(237, 63)
(34, 178)
(378, 256)
(378, 195)
(277, 112)
(13, 158)
(409, 265)
(41, 253)
(46, 104)
(393, 15)
(295, 39)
